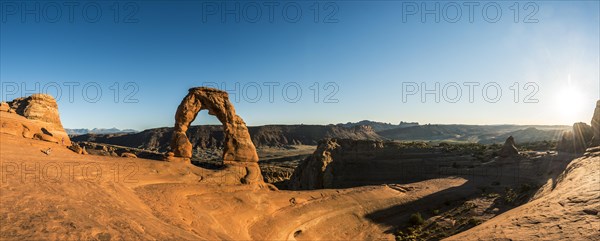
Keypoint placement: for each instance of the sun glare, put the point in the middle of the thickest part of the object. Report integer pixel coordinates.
(569, 103)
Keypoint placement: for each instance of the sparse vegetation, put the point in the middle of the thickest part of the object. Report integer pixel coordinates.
(474, 221)
(416, 219)
(510, 196)
(491, 195)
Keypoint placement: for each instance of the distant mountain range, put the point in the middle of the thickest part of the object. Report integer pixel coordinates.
(211, 136)
(74, 132)
(379, 126)
(484, 134)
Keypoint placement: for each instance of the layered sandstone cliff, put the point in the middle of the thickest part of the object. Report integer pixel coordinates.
(35, 117)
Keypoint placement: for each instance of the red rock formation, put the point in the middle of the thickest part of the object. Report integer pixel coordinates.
(596, 126)
(509, 149)
(34, 117)
(583, 135)
(577, 140)
(335, 162)
(238, 149)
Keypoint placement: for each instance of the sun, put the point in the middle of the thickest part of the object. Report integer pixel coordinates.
(570, 103)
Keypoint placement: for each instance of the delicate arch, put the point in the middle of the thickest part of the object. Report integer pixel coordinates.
(237, 146)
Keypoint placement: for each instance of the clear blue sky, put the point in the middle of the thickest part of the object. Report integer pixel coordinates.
(374, 53)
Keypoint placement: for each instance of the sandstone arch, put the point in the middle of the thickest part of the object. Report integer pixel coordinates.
(238, 149)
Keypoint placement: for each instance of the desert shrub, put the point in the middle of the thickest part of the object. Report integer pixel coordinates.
(525, 188)
(510, 196)
(411, 234)
(435, 212)
(416, 219)
(492, 195)
(474, 222)
(483, 189)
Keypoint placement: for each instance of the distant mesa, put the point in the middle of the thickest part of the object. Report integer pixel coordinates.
(238, 149)
(34, 117)
(98, 131)
(379, 126)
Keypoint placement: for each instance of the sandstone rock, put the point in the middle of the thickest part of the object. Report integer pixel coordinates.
(42, 119)
(596, 126)
(314, 172)
(76, 148)
(339, 163)
(40, 107)
(577, 140)
(509, 149)
(44, 137)
(566, 210)
(27, 133)
(4, 106)
(128, 155)
(582, 136)
(237, 145)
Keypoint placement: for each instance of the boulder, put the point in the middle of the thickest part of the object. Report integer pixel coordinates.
(509, 149)
(128, 155)
(44, 137)
(76, 148)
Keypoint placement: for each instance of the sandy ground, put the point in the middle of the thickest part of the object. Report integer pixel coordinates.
(65, 196)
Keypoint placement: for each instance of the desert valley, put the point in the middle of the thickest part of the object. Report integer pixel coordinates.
(188, 120)
(354, 181)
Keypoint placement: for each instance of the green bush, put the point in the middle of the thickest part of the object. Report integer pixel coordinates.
(416, 219)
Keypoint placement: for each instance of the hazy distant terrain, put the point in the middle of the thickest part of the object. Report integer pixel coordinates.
(83, 131)
(211, 136)
(484, 134)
